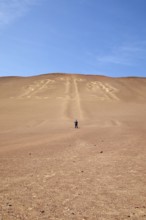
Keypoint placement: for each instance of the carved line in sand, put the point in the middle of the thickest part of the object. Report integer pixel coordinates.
(64, 79)
(80, 80)
(33, 89)
(72, 106)
(77, 97)
(105, 90)
(60, 79)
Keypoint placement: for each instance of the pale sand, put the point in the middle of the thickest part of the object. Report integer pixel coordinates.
(49, 170)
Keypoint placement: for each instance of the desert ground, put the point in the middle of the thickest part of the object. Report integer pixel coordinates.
(51, 171)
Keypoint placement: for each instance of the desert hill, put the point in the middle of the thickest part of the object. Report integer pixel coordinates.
(49, 170)
(68, 97)
(98, 88)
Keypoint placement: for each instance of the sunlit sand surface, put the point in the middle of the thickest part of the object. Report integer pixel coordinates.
(51, 171)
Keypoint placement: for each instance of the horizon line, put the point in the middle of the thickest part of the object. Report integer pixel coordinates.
(65, 73)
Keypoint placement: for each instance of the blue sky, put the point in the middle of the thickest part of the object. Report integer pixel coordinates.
(106, 37)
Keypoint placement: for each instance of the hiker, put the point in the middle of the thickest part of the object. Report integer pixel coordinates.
(76, 124)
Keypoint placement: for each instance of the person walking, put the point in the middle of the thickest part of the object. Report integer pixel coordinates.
(76, 124)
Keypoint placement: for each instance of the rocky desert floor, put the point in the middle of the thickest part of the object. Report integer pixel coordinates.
(51, 171)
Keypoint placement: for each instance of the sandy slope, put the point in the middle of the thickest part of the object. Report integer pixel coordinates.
(49, 170)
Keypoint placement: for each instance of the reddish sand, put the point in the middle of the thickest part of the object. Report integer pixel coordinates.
(51, 171)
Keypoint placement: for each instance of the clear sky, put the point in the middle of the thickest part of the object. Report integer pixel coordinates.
(106, 37)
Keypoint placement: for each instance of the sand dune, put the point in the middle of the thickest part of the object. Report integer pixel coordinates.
(49, 170)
